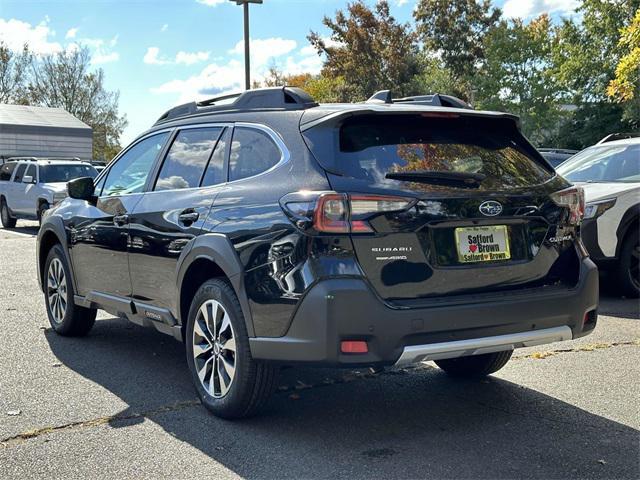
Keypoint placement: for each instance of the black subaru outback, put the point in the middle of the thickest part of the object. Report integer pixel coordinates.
(265, 229)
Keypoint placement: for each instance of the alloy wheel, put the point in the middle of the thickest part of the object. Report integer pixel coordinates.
(57, 290)
(214, 348)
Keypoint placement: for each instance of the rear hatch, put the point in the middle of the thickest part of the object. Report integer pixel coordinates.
(483, 214)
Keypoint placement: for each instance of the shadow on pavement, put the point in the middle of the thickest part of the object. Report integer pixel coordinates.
(31, 229)
(393, 425)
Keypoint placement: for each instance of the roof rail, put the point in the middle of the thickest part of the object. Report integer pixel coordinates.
(617, 136)
(281, 98)
(436, 100)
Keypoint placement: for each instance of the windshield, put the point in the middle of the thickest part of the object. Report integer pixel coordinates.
(370, 147)
(64, 173)
(604, 163)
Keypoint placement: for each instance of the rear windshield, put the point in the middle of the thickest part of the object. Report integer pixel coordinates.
(64, 173)
(370, 147)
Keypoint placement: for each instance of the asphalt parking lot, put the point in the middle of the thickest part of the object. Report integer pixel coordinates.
(119, 403)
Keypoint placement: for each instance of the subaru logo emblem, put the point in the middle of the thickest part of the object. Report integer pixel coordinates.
(490, 208)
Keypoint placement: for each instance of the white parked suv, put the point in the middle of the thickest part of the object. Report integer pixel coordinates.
(609, 174)
(29, 186)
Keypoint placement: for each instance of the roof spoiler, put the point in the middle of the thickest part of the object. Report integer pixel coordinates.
(281, 98)
(434, 100)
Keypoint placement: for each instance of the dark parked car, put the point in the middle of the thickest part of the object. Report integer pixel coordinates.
(556, 156)
(264, 229)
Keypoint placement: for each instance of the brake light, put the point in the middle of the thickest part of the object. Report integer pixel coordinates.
(573, 199)
(339, 212)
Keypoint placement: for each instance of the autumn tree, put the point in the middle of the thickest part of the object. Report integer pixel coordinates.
(65, 80)
(368, 50)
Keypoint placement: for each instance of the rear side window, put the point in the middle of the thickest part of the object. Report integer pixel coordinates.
(20, 172)
(252, 152)
(370, 147)
(187, 159)
(6, 171)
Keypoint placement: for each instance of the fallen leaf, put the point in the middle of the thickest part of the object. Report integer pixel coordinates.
(14, 413)
(602, 462)
(56, 364)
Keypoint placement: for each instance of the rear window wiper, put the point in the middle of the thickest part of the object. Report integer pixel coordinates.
(449, 179)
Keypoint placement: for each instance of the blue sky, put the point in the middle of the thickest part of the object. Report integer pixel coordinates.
(160, 53)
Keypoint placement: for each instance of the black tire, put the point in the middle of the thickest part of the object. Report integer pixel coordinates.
(253, 382)
(5, 215)
(475, 366)
(628, 265)
(43, 207)
(76, 321)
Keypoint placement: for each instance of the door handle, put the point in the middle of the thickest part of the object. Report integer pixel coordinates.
(121, 220)
(188, 217)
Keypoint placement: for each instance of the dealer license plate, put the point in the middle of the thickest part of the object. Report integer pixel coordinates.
(482, 244)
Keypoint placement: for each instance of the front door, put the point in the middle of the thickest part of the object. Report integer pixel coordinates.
(99, 234)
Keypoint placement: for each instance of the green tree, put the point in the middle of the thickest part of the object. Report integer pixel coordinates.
(14, 67)
(517, 76)
(369, 51)
(456, 29)
(625, 87)
(65, 80)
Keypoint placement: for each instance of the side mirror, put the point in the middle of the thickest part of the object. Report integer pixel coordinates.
(81, 188)
(27, 179)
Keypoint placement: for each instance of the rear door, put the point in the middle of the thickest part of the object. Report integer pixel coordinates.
(16, 189)
(173, 211)
(481, 212)
(99, 233)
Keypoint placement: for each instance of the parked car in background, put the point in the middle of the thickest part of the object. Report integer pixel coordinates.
(555, 156)
(265, 229)
(609, 174)
(30, 186)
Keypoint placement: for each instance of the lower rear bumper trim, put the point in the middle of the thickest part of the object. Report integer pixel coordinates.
(478, 346)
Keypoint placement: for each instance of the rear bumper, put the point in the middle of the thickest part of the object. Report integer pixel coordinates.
(347, 309)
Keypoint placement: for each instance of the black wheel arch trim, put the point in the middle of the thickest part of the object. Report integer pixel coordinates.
(218, 249)
(630, 217)
(54, 225)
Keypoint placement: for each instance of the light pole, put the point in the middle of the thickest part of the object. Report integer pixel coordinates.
(247, 68)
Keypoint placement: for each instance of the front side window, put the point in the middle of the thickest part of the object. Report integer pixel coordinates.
(604, 163)
(6, 171)
(53, 173)
(187, 158)
(20, 172)
(130, 172)
(252, 152)
(31, 172)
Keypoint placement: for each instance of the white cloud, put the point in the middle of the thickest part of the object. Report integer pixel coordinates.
(189, 58)
(402, 2)
(153, 57)
(71, 33)
(99, 58)
(213, 80)
(164, 27)
(264, 50)
(532, 8)
(16, 33)
(211, 3)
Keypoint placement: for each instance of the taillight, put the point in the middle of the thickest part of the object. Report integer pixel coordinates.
(332, 212)
(573, 199)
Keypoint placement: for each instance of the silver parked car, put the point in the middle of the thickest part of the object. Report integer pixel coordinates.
(30, 186)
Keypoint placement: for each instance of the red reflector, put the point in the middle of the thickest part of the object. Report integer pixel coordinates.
(354, 346)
